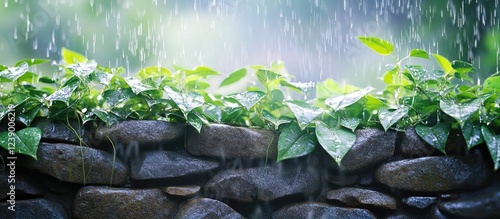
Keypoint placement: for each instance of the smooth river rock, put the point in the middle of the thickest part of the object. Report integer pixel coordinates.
(59, 132)
(207, 208)
(371, 147)
(228, 142)
(167, 165)
(483, 204)
(312, 210)
(107, 202)
(64, 162)
(419, 201)
(434, 174)
(356, 197)
(263, 183)
(146, 133)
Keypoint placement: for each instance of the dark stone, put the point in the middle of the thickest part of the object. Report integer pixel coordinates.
(343, 180)
(412, 146)
(207, 208)
(34, 208)
(64, 162)
(312, 210)
(356, 197)
(366, 179)
(59, 132)
(145, 133)
(419, 201)
(434, 174)
(371, 147)
(25, 186)
(263, 183)
(167, 165)
(182, 191)
(107, 202)
(482, 204)
(228, 142)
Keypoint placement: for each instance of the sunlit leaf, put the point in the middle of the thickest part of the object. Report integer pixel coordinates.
(24, 141)
(342, 101)
(12, 74)
(153, 71)
(460, 111)
(444, 63)
(472, 134)
(63, 94)
(137, 86)
(266, 76)
(202, 71)
(492, 84)
(462, 67)
(185, 101)
(303, 112)
(336, 141)
(350, 123)
(419, 53)
(32, 62)
(294, 142)
(493, 143)
(115, 97)
(436, 136)
(248, 99)
(234, 77)
(376, 44)
(83, 69)
(388, 118)
(72, 57)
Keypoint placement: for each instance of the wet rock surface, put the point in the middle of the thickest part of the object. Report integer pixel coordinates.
(207, 208)
(64, 162)
(356, 197)
(146, 133)
(419, 201)
(371, 147)
(105, 202)
(182, 191)
(434, 174)
(55, 131)
(482, 204)
(34, 208)
(263, 183)
(228, 142)
(167, 165)
(321, 210)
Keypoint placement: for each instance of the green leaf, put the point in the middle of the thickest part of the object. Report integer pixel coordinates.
(303, 112)
(115, 97)
(12, 74)
(248, 99)
(336, 141)
(72, 57)
(460, 111)
(47, 80)
(194, 120)
(493, 143)
(24, 141)
(63, 94)
(444, 63)
(462, 67)
(234, 77)
(185, 101)
(422, 75)
(83, 69)
(137, 86)
(266, 76)
(388, 118)
(294, 142)
(376, 44)
(109, 118)
(153, 71)
(436, 136)
(472, 134)
(202, 71)
(197, 85)
(419, 53)
(31, 62)
(275, 120)
(341, 102)
(350, 123)
(492, 84)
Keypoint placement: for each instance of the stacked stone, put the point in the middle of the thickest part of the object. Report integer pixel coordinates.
(155, 169)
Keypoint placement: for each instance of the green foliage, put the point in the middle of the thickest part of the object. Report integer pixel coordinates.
(428, 99)
(24, 141)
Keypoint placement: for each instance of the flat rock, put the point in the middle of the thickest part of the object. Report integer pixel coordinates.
(371, 147)
(107, 202)
(482, 204)
(34, 208)
(207, 208)
(182, 191)
(434, 174)
(165, 165)
(59, 132)
(311, 210)
(228, 142)
(64, 162)
(356, 197)
(419, 201)
(263, 183)
(146, 133)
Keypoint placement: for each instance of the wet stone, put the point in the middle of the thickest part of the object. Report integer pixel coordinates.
(59, 132)
(412, 146)
(482, 204)
(434, 174)
(312, 210)
(167, 165)
(145, 133)
(371, 147)
(64, 162)
(356, 197)
(263, 183)
(182, 191)
(229, 142)
(343, 180)
(419, 201)
(107, 202)
(34, 208)
(207, 208)
(25, 186)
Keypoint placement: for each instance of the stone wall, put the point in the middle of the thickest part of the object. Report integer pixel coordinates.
(156, 169)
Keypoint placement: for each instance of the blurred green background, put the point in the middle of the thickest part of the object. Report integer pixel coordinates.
(315, 38)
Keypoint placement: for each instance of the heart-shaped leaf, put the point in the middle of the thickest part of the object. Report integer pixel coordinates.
(462, 67)
(492, 84)
(460, 111)
(336, 141)
(72, 57)
(185, 101)
(493, 143)
(436, 136)
(343, 101)
(444, 63)
(419, 53)
(294, 142)
(472, 134)
(388, 118)
(24, 141)
(376, 44)
(303, 112)
(248, 99)
(350, 123)
(12, 74)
